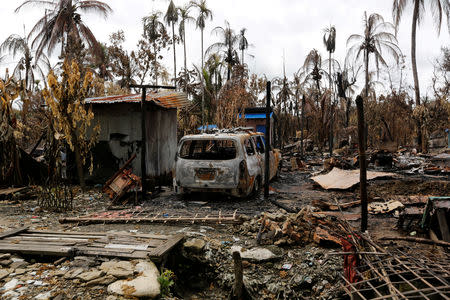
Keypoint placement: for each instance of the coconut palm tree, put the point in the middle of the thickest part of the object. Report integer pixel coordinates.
(171, 18)
(329, 40)
(312, 68)
(16, 45)
(153, 30)
(243, 43)
(204, 13)
(438, 7)
(378, 40)
(63, 17)
(227, 43)
(184, 18)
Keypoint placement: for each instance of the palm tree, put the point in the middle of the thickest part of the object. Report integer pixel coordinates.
(437, 7)
(16, 45)
(329, 40)
(203, 14)
(171, 18)
(184, 17)
(227, 43)
(312, 68)
(377, 40)
(243, 43)
(153, 30)
(62, 18)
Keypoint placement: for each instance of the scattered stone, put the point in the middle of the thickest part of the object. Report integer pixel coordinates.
(11, 295)
(119, 269)
(44, 296)
(11, 285)
(5, 262)
(5, 256)
(3, 273)
(194, 245)
(255, 254)
(102, 280)
(20, 271)
(19, 264)
(91, 275)
(146, 285)
(83, 262)
(73, 273)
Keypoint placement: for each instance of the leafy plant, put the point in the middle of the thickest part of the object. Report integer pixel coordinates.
(166, 281)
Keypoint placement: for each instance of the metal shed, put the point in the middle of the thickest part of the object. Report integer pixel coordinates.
(120, 134)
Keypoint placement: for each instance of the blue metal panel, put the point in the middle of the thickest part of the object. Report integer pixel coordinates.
(261, 128)
(255, 116)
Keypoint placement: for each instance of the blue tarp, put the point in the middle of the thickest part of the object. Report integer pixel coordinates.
(255, 115)
(208, 127)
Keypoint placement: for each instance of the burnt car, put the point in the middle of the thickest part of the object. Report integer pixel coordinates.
(229, 163)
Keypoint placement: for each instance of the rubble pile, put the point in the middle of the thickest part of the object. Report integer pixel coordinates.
(270, 272)
(301, 228)
(80, 278)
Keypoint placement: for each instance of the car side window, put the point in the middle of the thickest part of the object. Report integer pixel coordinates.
(259, 144)
(249, 147)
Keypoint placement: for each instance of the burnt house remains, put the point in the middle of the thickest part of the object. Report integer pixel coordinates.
(121, 134)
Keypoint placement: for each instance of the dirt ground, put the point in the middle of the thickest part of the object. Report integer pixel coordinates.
(295, 272)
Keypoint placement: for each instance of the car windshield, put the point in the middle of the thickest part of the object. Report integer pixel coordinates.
(214, 149)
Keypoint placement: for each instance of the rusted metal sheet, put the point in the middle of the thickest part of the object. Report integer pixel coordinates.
(165, 99)
(121, 182)
(345, 179)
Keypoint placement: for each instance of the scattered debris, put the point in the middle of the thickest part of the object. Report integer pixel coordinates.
(141, 215)
(122, 181)
(346, 179)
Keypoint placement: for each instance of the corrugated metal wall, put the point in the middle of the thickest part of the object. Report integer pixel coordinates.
(121, 128)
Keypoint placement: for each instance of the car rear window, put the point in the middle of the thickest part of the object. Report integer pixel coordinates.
(201, 149)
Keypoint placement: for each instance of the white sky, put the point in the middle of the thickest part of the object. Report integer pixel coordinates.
(295, 26)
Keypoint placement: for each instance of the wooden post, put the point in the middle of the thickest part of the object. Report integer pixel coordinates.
(302, 126)
(144, 88)
(362, 163)
(330, 142)
(267, 137)
(238, 289)
(144, 145)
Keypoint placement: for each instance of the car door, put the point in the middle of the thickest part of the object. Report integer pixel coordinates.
(253, 161)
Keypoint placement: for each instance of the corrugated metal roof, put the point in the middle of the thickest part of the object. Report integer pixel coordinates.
(165, 99)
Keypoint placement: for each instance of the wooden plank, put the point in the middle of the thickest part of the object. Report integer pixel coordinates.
(443, 226)
(169, 244)
(102, 234)
(13, 232)
(9, 191)
(45, 239)
(36, 249)
(18, 242)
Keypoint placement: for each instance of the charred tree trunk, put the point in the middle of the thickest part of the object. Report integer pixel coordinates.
(420, 140)
(362, 163)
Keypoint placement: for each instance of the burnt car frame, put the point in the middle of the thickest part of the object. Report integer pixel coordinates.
(228, 163)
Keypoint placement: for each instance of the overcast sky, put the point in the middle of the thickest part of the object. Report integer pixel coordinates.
(273, 26)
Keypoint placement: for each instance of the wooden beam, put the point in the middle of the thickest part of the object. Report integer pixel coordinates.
(13, 232)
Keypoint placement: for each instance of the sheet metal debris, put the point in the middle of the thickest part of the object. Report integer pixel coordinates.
(121, 182)
(345, 179)
(163, 98)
